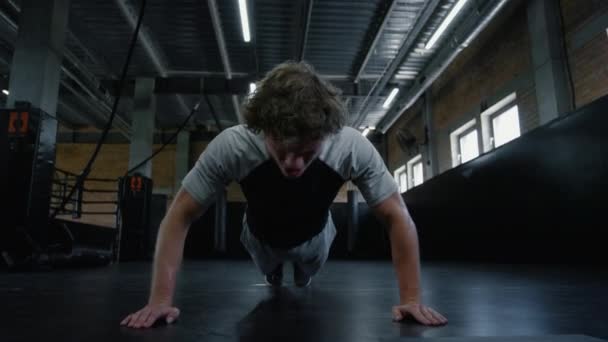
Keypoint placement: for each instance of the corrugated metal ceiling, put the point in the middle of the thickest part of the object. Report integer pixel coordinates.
(182, 39)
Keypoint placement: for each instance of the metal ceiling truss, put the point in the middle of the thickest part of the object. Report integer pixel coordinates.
(219, 34)
(466, 32)
(212, 85)
(301, 26)
(384, 52)
(155, 54)
(393, 66)
(372, 46)
(92, 89)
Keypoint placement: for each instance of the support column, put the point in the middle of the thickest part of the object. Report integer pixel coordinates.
(34, 77)
(182, 153)
(220, 221)
(431, 166)
(553, 93)
(352, 218)
(142, 123)
(36, 64)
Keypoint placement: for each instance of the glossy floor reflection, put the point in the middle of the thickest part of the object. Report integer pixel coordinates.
(348, 301)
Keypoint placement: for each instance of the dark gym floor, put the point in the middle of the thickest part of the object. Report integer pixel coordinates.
(348, 301)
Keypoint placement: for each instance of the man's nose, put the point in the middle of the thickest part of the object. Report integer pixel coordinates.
(293, 161)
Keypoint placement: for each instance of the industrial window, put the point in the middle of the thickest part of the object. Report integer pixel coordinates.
(506, 126)
(416, 170)
(401, 178)
(465, 143)
(500, 123)
(469, 147)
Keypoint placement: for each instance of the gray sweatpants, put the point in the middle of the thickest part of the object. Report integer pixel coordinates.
(309, 256)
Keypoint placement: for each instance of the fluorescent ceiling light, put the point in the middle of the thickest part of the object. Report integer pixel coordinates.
(365, 132)
(244, 20)
(390, 98)
(446, 22)
(5, 91)
(252, 88)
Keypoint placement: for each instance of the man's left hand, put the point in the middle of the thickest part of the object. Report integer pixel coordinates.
(420, 313)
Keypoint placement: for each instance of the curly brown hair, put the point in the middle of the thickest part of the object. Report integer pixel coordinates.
(293, 103)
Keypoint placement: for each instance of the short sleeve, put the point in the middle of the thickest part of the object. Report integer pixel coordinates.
(213, 170)
(369, 173)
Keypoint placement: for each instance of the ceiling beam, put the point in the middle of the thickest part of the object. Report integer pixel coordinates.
(205, 73)
(95, 94)
(405, 49)
(100, 115)
(67, 115)
(466, 32)
(207, 85)
(300, 27)
(385, 19)
(86, 137)
(254, 36)
(96, 59)
(221, 42)
(129, 14)
(154, 53)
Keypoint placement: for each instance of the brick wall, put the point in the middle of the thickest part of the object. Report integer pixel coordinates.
(499, 63)
(587, 53)
(590, 70)
(496, 64)
(578, 13)
(112, 163)
(412, 121)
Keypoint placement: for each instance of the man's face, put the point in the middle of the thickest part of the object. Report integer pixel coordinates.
(294, 157)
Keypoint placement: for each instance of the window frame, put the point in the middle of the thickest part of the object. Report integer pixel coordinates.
(491, 126)
(488, 116)
(397, 173)
(460, 136)
(455, 137)
(410, 170)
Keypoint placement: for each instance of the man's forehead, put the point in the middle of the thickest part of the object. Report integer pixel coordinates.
(299, 144)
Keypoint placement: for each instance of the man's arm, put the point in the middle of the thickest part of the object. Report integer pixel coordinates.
(167, 260)
(393, 213)
(170, 246)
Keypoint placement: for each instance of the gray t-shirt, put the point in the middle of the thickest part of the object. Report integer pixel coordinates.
(286, 212)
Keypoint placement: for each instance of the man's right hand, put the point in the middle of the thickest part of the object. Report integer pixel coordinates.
(169, 248)
(146, 317)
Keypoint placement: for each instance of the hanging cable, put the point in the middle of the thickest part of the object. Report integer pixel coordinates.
(87, 169)
(169, 141)
(567, 59)
(181, 127)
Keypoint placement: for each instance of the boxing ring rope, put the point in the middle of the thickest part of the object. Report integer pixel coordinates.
(96, 196)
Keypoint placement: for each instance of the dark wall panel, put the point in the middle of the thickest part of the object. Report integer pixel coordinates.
(540, 198)
(234, 225)
(199, 242)
(339, 249)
